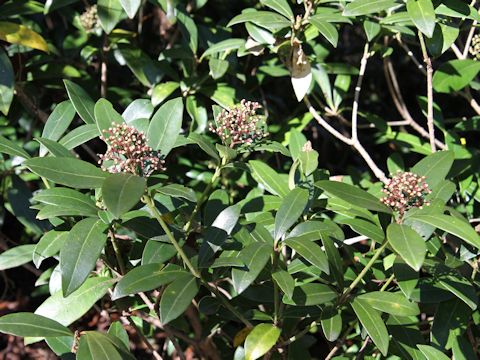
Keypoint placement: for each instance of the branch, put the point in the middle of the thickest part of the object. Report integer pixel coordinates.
(358, 89)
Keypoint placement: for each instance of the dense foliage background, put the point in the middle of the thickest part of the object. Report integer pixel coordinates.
(272, 240)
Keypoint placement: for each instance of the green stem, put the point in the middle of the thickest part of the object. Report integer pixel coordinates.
(363, 272)
(390, 279)
(276, 294)
(151, 205)
(118, 254)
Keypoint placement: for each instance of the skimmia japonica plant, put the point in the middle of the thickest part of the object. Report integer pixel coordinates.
(213, 179)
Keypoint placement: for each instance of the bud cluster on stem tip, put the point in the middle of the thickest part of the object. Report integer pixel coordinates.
(405, 190)
(240, 125)
(89, 19)
(474, 49)
(128, 152)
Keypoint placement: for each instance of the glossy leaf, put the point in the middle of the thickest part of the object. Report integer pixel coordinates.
(280, 6)
(269, 178)
(20, 34)
(94, 345)
(80, 252)
(165, 126)
(122, 191)
(81, 101)
(431, 353)
(408, 244)
(67, 198)
(390, 303)
(48, 245)
(311, 294)
(373, 324)
(292, 207)
(285, 282)
(261, 339)
(79, 136)
(131, 7)
(267, 19)
(177, 297)
(255, 257)
(434, 167)
(7, 82)
(16, 256)
(328, 30)
(331, 322)
(10, 148)
(310, 252)
(422, 14)
(28, 324)
(110, 13)
(58, 122)
(224, 46)
(364, 7)
(68, 171)
(105, 116)
(162, 91)
(454, 75)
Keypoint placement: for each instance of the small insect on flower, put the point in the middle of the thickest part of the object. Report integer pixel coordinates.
(128, 152)
(240, 125)
(405, 190)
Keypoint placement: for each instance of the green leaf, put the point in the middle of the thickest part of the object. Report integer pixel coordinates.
(218, 67)
(267, 19)
(79, 136)
(372, 29)
(145, 278)
(434, 167)
(352, 195)
(461, 288)
(292, 207)
(373, 324)
(390, 303)
(80, 253)
(81, 101)
(431, 353)
(280, 6)
(122, 191)
(109, 13)
(311, 294)
(60, 345)
(366, 7)
(406, 277)
(165, 126)
(138, 109)
(7, 82)
(28, 324)
(450, 320)
(408, 244)
(261, 339)
(116, 329)
(335, 262)
(331, 322)
(328, 30)
(157, 252)
(178, 191)
(443, 37)
(205, 145)
(48, 245)
(177, 297)
(162, 91)
(366, 228)
(269, 178)
(54, 148)
(454, 75)
(19, 34)
(255, 257)
(131, 7)
(10, 148)
(451, 225)
(67, 198)
(94, 345)
(310, 252)
(223, 47)
(188, 29)
(66, 310)
(285, 281)
(462, 349)
(16, 256)
(58, 122)
(106, 116)
(68, 171)
(422, 13)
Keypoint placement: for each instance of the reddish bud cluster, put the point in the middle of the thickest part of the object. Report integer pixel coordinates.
(128, 152)
(404, 191)
(239, 125)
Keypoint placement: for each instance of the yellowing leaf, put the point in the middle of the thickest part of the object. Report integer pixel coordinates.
(20, 34)
(240, 336)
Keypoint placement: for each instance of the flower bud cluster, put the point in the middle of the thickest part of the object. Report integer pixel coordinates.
(474, 49)
(128, 152)
(404, 191)
(89, 19)
(240, 125)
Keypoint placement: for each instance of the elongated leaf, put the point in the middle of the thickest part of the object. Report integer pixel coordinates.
(310, 252)
(431, 353)
(269, 178)
(280, 6)
(177, 297)
(94, 345)
(10, 148)
(434, 167)
(373, 324)
(66, 310)
(450, 320)
(224, 46)
(255, 257)
(48, 245)
(290, 210)
(81, 101)
(131, 7)
(260, 340)
(79, 136)
(311, 294)
(335, 262)
(146, 278)
(16, 256)
(58, 122)
(461, 288)
(353, 195)
(116, 329)
(366, 228)
(105, 116)
(285, 282)
(122, 191)
(267, 19)
(54, 148)
(364, 7)
(205, 145)
(162, 91)
(68, 171)
(138, 109)
(80, 252)
(7, 82)
(422, 14)
(178, 191)
(110, 13)
(28, 324)
(64, 197)
(408, 244)
(451, 225)
(391, 303)
(165, 126)
(454, 75)
(328, 30)
(20, 34)
(331, 322)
